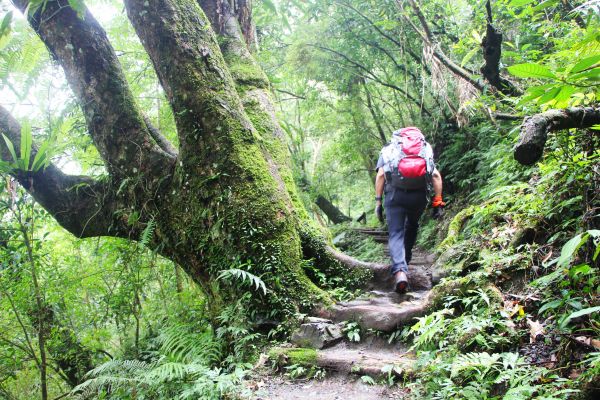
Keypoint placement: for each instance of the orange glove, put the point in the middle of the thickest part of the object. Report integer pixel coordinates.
(437, 202)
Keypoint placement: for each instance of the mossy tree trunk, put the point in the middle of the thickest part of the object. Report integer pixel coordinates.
(226, 196)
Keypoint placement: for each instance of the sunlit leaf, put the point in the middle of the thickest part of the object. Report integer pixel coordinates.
(570, 248)
(586, 63)
(531, 70)
(583, 312)
(520, 3)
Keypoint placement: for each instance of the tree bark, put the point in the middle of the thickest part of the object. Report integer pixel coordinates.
(535, 129)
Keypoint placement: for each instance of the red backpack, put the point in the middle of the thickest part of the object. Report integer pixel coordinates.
(405, 161)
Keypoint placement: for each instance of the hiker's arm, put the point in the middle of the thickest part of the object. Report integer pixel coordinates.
(437, 182)
(379, 182)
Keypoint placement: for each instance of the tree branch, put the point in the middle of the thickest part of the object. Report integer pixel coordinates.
(374, 115)
(428, 38)
(374, 77)
(294, 95)
(80, 204)
(535, 129)
(94, 73)
(388, 37)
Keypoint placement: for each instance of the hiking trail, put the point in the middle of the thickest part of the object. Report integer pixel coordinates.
(320, 342)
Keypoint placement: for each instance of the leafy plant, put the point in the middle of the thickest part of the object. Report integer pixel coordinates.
(352, 331)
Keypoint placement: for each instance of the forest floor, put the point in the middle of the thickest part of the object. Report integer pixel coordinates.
(353, 369)
(339, 387)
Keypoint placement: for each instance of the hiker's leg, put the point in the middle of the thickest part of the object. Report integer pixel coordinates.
(396, 218)
(417, 205)
(411, 228)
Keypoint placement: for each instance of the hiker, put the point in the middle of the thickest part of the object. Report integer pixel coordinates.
(406, 173)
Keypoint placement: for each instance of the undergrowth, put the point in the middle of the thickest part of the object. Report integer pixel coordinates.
(519, 316)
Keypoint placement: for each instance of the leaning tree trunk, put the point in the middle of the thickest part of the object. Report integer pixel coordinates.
(334, 214)
(226, 197)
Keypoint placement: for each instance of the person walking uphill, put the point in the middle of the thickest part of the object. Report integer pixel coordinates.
(406, 173)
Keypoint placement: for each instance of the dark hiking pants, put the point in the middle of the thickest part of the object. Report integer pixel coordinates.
(403, 209)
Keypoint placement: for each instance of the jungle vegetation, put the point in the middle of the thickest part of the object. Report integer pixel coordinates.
(174, 173)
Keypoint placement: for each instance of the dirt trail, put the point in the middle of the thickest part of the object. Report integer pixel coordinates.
(332, 388)
(378, 310)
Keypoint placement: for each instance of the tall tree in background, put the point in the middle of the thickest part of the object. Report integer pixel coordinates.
(225, 197)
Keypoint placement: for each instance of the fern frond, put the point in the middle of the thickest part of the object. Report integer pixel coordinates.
(243, 277)
(148, 232)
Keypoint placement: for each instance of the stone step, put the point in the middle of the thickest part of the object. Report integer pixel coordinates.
(372, 232)
(381, 313)
(419, 278)
(348, 359)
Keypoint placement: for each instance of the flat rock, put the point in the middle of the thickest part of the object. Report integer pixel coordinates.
(381, 313)
(347, 358)
(363, 361)
(317, 333)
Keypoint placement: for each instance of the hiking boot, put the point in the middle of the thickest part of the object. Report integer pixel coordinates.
(401, 282)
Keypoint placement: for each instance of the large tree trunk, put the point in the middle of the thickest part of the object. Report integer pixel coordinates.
(226, 197)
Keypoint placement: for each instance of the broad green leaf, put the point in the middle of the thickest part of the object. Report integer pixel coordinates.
(5, 25)
(591, 74)
(583, 312)
(549, 95)
(544, 4)
(585, 63)
(41, 157)
(550, 306)
(531, 70)
(562, 98)
(570, 248)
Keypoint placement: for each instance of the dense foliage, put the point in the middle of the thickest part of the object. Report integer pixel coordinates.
(111, 318)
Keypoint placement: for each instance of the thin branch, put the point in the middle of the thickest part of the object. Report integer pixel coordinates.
(429, 39)
(23, 327)
(297, 96)
(372, 76)
(160, 139)
(388, 37)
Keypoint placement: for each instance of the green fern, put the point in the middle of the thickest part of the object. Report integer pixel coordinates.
(182, 368)
(148, 232)
(243, 277)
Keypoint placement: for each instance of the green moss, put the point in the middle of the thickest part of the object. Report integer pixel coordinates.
(293, 356)
(455, 227)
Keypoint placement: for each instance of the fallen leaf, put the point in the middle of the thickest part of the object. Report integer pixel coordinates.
(547, 257)
(536, 330)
